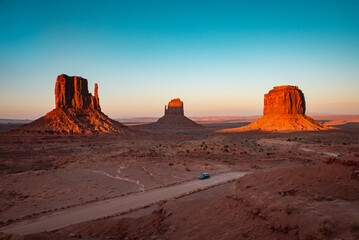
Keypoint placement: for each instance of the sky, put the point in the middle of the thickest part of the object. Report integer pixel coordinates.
(219, 57)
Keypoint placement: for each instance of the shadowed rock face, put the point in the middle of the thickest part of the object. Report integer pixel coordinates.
(284, 110)
(72, 92)
(77, 111)
(284, 100)
(175, 106)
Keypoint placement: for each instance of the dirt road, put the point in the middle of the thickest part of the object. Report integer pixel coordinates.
(115, 205)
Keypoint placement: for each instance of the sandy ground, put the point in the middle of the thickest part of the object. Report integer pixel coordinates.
(53, 174)
(46, 174)
(118, 205)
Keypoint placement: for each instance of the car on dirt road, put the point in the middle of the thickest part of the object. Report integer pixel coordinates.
(204, 176)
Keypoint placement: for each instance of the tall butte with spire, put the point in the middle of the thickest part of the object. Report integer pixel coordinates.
(174, 118)
(284, 110)
(77, 111)
(72, 92)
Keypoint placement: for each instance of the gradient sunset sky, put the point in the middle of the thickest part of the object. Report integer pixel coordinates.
(219, 57)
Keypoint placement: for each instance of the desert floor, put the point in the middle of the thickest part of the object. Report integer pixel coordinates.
(299, 187)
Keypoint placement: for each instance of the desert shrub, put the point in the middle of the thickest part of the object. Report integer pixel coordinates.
(61, 163)
(170, 164)
(274, 207)
(320, 198)
(289, 209)
(187, 169)
(225, 150)
(354, 227)
(10, 236)
(326, 227)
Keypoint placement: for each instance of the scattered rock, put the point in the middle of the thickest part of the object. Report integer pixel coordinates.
(291, 192)
(355, 174)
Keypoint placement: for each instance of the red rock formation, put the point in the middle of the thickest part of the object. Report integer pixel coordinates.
(284, 110)
(175, 103)
(173, 119)
(175, 106)
(284, 100)
(97, 102)
(77, 111)
(72, 92)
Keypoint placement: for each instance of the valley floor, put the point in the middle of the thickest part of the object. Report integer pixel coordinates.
(300, 187)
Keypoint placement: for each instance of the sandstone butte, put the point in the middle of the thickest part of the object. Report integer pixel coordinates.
(284, 110)
(174, 118)
(77, 111)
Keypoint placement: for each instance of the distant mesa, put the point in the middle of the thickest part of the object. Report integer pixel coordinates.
(284, 110)
(77, 111)
(174, 118)
(175, 106)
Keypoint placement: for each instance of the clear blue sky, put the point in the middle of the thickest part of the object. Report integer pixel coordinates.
(219, 57)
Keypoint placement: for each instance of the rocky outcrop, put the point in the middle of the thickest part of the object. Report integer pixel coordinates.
(284, 100)
(284, 110)
(77, 111)
(174, 119)
(175, 106)
(72, 92)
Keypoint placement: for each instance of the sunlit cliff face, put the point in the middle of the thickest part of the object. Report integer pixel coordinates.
(284, 110)
(72, 92)
(284, 100)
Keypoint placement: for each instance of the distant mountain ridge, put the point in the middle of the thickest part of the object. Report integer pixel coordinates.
(14, 121)
(202, 119)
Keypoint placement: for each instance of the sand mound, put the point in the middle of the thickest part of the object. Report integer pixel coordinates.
(281, 122)
(70, 121)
